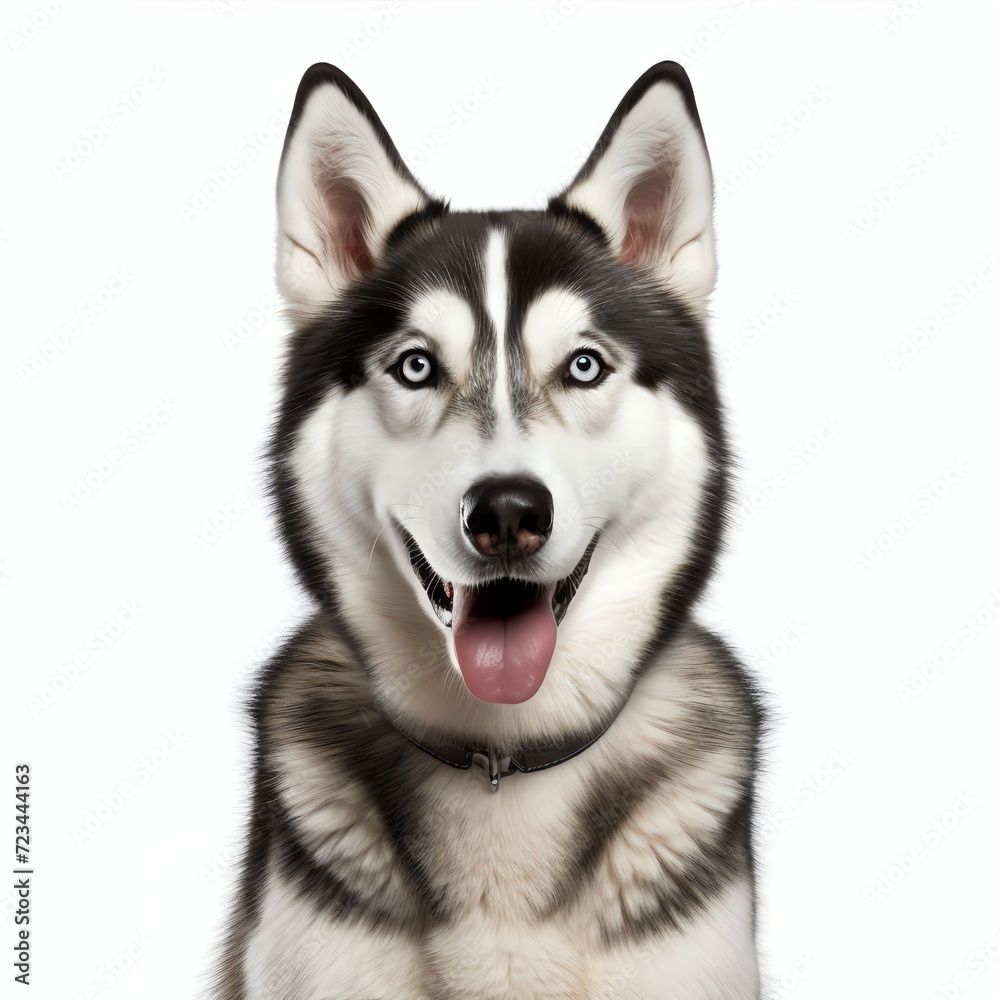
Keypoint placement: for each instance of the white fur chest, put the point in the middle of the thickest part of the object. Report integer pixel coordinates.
(501, 853)
(501, 858)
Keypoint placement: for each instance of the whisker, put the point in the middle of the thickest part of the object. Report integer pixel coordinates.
(610, 548)
(372, 553)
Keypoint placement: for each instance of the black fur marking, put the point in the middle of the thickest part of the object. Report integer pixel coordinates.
(560, 210)
(229, 978)
(273, 840)
(416, 223)
(325, 706)
(330, 894)
(751, 700)
(689, 887)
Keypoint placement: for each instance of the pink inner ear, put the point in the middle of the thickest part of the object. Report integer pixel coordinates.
(629, 254)
(355, 247)
(347, 228)
(646, 209)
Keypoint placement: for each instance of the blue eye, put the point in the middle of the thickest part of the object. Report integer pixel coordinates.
(415, 368)
(585, 368)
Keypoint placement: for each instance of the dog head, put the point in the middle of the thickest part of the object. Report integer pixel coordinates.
(498, 426)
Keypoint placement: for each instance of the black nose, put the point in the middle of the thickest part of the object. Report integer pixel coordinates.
(507, 517)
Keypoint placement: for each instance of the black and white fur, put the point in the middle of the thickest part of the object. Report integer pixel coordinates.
(373, 870)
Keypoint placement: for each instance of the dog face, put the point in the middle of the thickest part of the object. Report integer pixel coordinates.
(490, 406)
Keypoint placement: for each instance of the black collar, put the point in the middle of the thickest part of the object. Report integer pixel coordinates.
(498, 763)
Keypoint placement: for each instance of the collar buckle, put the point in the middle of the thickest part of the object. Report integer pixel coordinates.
(495, 765)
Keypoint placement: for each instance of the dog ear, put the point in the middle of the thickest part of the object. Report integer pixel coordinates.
(648, 184)
(342, 188)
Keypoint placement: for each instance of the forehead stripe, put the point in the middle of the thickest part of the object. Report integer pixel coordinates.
(495, 268)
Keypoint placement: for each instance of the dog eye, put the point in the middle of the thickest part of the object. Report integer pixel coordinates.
(415, 368)
(586, 368)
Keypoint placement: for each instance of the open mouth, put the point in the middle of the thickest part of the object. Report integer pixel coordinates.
(504, 630)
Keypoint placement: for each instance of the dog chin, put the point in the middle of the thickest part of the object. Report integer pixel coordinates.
(503, 631)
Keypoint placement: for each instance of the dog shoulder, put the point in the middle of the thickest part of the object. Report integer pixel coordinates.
(665, 828)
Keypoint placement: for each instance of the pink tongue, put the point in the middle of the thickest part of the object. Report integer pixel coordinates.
(504, 659)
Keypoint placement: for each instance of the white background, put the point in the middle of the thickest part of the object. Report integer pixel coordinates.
(862, 896)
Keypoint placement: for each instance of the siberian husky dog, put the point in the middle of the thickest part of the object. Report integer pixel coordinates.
(501, 761)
